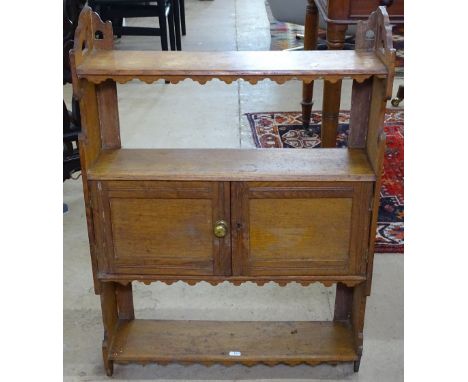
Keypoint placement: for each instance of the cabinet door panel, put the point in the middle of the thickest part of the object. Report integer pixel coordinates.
(295, 227)
(299, 228)
(164, 227)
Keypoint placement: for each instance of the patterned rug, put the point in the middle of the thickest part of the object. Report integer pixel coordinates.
(284, 130)
(283, 36)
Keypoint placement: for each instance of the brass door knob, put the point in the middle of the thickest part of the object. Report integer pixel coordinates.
(220, 228)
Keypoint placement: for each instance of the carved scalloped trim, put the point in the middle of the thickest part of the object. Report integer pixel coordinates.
(238, 282)
(149, 79)
(231, 363)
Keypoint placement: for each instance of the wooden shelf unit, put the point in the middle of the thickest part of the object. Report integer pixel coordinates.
(232, 215)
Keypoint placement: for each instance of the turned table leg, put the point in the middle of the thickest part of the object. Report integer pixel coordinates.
(310, 43)
(332, 91)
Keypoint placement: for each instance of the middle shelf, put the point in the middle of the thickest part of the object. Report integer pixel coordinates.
(233, 165)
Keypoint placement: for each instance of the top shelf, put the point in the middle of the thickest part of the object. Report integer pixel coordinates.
(93, 58)
(149, 66)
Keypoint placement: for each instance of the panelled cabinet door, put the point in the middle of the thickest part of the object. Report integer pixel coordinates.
(161, 227)
(299, 228)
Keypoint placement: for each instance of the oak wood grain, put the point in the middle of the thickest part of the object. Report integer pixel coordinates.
(87, 95)
(89, 148)
(162, 228)
(359, 118)
(212, 341)
(232, 165)
(108, 114)
(291, 215)
(110, 320)
(117, 65)
(343, 303)
(327, 280)
(300, 228)
(375, 146)
(124, 298)
(298, 231)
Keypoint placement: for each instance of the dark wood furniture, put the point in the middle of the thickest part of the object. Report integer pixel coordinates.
(71, 130)
(182, 17)
(167, 12)
(231, 215)
(337, 14)
(71, 119)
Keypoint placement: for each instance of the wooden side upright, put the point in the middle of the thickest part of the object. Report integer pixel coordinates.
(100, 130)
(368, 106)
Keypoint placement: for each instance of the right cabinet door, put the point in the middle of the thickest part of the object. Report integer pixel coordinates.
(300, 228)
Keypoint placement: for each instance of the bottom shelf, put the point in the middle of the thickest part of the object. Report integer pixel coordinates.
(232, 342)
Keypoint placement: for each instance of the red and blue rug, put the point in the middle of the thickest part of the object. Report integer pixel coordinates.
(284, 130)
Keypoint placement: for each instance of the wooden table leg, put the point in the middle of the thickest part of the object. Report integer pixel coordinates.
(332, 91)
(310, 43)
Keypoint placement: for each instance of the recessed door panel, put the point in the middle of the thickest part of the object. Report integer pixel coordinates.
(165, 227)
(299, 228)
(161, 230)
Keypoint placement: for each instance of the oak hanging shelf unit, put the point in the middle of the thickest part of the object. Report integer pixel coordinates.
(231, 215)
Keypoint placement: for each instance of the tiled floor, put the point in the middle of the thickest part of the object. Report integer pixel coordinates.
(192, 115)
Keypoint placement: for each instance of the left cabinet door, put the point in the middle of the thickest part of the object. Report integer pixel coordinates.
(161, 227)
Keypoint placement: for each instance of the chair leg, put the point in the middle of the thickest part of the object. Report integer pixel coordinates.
(163, 25)
(177, 24)
(182, 17)
(170, 18)
(119, 25)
